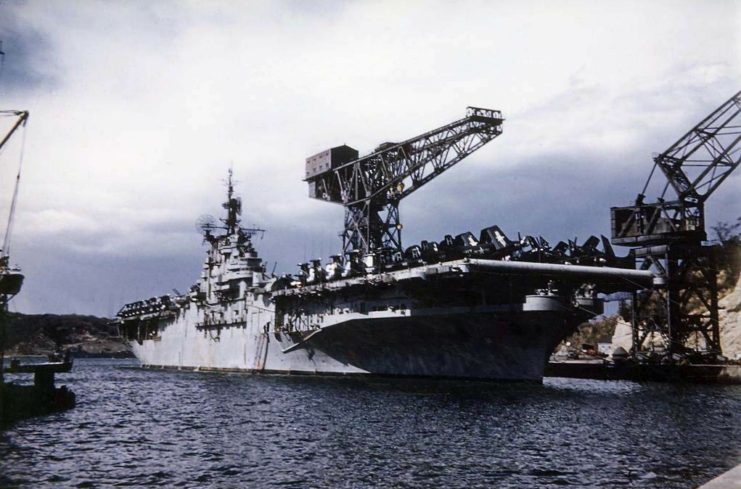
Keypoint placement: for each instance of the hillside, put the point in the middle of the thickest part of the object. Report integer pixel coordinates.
(45, 333)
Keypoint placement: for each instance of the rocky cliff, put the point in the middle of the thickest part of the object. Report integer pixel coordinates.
(730, 323)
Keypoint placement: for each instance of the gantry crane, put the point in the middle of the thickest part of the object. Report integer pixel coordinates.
(370, 188)
(667, 235)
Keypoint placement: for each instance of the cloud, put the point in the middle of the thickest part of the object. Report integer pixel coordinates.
(139, 108)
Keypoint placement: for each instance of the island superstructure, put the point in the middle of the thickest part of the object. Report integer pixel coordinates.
(481, 307)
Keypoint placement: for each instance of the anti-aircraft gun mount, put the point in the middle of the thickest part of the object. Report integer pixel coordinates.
(667, 236)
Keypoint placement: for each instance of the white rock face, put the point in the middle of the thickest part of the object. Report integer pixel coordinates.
(730, 323)
(623, 335)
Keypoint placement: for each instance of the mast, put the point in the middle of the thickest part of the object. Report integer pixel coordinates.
(233, 206)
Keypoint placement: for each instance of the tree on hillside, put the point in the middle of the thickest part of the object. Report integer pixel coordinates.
(728, 236)
(727, 233)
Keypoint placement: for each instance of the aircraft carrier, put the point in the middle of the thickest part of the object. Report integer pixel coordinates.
(483, 307)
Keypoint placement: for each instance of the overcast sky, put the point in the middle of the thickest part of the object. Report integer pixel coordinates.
(138, 109)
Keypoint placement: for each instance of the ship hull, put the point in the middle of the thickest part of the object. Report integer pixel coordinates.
(457, 310)
(473, 344)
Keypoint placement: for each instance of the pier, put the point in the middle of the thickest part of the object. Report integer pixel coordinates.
(43, 397)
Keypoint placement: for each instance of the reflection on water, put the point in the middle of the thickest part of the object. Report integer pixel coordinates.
(141, 428)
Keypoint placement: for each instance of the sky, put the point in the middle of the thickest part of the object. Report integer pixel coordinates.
(139, 108)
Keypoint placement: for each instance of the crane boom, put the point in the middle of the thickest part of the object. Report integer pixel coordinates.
(370, 187)
(709, 149)
(694, 167)
(22, 118)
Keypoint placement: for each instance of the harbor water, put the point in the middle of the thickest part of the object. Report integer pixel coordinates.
(144, 428)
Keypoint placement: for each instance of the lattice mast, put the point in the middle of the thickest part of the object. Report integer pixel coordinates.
(371, 187)
(667, 235)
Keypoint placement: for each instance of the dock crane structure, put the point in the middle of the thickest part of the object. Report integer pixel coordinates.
(21, 117)
(371, 187)
(667, 236)
(11, 279)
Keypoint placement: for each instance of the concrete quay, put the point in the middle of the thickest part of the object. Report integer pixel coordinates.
(728, 480)
(599, 370)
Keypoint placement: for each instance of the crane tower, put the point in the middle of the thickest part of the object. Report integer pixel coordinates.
(371, 187)
(667, 235)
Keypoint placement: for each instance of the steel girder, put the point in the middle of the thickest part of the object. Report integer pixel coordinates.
(370, 226)
(683, 307)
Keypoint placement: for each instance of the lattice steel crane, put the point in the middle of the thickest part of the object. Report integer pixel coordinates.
(694, 167)
(667, 235)
(21, 120)
(370, 188)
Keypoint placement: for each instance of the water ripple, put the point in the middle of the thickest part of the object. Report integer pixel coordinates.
(139, 428)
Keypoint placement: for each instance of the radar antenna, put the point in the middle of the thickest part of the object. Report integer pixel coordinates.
(233, 206)
(206, 224)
